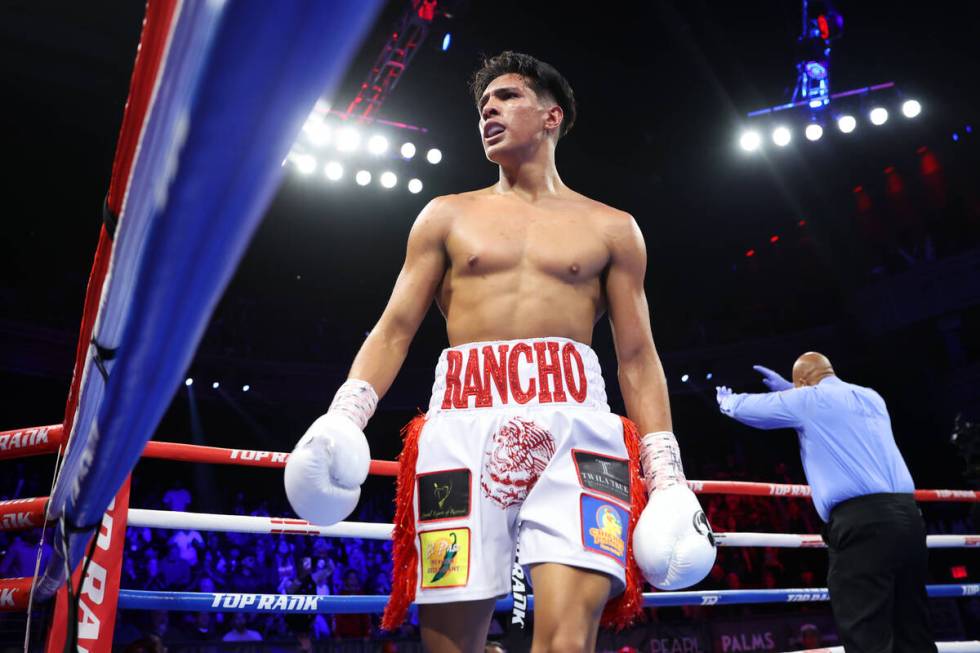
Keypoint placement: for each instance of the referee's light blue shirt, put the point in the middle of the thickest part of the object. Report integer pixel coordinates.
(846, 440)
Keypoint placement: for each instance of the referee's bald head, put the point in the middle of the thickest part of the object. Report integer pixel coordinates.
(811, 368)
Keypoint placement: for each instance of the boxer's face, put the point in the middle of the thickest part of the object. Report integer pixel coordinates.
(513, 118)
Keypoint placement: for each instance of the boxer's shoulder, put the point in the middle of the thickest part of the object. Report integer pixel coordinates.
(443, 210)
(615, 218)
(604, 216)
(436, 218)
(468, 199)
(619, 228)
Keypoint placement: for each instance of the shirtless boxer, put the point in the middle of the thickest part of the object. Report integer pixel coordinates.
(518, 448)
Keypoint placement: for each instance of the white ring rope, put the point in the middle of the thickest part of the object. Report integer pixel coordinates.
(943, 647)
(284, 526)
(791, 541)
(203, 521)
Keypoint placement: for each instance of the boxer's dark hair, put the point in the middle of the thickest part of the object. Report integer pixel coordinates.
(542, 77)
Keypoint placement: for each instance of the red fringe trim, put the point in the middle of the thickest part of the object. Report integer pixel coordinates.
(625, 608)
(404, 575)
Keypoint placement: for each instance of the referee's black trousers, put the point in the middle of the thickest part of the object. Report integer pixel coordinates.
(877, 575)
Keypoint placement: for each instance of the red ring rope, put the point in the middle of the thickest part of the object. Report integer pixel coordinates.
(46, 439)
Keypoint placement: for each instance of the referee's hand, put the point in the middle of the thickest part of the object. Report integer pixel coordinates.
(772, 380)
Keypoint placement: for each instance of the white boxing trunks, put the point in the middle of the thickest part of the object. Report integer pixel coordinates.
(518, 452)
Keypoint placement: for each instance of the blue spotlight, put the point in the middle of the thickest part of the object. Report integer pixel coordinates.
(189, 382)
(685, 378)
(446, 41)
(708, 376)
(215, 385)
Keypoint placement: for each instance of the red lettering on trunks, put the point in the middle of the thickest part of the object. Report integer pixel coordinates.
(496, 370)
(560, 376)
(473, 383)
(552, 369)
(454, 359)
(520, 396)
(581, 389)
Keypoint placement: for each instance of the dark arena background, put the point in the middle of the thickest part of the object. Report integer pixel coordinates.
(783, 212)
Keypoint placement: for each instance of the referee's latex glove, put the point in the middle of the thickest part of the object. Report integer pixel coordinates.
(772, 380)
(721, 393)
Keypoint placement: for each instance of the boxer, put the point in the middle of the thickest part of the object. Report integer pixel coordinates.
(518, 452)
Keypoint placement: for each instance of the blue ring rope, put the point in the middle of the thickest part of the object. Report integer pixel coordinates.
(306, 604)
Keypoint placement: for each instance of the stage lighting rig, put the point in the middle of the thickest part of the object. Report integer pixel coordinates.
(381, 151)
(410, 32)
(820, 27)
(331, 144)
(813, 108)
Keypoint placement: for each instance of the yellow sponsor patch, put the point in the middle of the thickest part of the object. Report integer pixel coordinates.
(445, 557)
(603, 527)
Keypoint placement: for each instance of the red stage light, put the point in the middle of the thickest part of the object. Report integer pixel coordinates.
(801, 223)
(895, 184)
(750, 253)
(929, 164)
(774, 239)
(426, 9)
(958, 572)
(824, 27)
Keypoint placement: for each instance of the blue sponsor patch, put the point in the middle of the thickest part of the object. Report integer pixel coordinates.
(605, 527)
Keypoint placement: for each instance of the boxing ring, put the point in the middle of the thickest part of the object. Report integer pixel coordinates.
(30, 513)
(219, 91)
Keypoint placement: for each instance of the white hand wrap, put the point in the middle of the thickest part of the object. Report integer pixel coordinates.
(357, 400)
(661, 461)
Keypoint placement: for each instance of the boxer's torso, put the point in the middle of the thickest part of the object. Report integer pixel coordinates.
(522, 270)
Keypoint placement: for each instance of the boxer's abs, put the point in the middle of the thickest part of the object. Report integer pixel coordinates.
(544, 309)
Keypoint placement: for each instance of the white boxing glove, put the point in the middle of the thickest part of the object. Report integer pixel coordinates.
(672, 543)
(325, 471)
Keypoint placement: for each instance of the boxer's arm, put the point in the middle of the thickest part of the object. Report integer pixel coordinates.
(641, 376)
(384, 350)
(672, 540)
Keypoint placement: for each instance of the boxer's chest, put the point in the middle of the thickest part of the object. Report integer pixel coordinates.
(564, 246)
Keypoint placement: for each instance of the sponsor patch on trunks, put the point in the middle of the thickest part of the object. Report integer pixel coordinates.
(603, 474)
(605, 527)
(445, 557)
(444, 495)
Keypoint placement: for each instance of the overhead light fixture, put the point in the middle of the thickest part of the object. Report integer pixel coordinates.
(750, 141)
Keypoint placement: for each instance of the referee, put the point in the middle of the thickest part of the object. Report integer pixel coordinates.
(862, 489)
